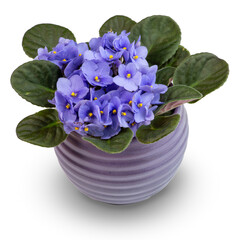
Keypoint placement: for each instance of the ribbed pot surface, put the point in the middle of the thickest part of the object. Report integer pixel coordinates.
(134, 175)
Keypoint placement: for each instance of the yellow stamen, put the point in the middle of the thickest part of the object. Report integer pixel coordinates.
(96, 79)
(128, 75)
(135, 57)
(80, 54)
(101, 112)
(130, 102)
(123, 113)
(133, 124)
(64, 60)
(95, 98)
(114, 111)
(76, 128)
(54, 52)
(73, 94)
(139, 105)
(90, 114)
(105, 126)
(86, 129)
(124, 48)
(111, 57)
(68, 106)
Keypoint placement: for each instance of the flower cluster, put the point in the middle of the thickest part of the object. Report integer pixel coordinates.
(106, 86)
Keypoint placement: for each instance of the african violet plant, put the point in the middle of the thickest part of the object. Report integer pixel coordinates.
(125, 83)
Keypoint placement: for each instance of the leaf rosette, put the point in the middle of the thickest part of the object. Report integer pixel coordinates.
(124, 84)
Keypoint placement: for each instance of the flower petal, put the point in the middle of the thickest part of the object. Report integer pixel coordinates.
(120, 81)
(141, 52)
(140, 115)
(130, 86)
(63, 86)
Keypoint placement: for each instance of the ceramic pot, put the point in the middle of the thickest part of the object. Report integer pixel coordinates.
(134, 175)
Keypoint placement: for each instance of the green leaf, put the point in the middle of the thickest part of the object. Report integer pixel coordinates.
(179, 56)
(115, 144)
(43, 35)
(35, 81)
(160, 127)
(165, 75)
(204, 71)
(176, 96)
(160, 34)
(42, 128)
(117, 24)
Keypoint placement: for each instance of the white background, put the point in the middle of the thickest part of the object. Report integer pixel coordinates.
(206, 198)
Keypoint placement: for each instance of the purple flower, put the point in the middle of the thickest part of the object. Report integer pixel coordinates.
(122, 42)
(140, 105)
(104, 112)
(108, 39)
(109, 55)
(145, 115)
(95, 130)
(72, 88)
(126, 97)
(129, 77)
(138, 55)
(89, 112)
(42, 54)
(71, 126)
(141, 99)
(97, 74)
(109, 131)
(76, 62)
(62, 58)
(113, 107)
(92, 129)
(64, 107)
(61, 55)
(148, 80)
(102, 101)
(125, 115)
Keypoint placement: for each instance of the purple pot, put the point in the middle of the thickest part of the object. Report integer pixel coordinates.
(134, 175)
